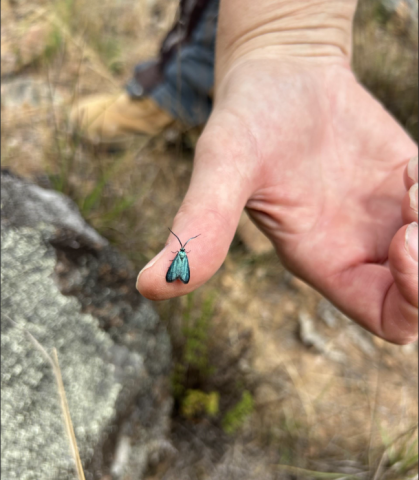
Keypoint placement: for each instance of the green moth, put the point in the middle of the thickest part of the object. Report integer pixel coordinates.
(179, 269)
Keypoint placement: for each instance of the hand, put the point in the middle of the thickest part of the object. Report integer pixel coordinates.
(321, 168)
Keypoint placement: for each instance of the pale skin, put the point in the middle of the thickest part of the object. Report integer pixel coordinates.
(321, 167)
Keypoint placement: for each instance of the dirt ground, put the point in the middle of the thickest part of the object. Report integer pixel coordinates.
(326, 396)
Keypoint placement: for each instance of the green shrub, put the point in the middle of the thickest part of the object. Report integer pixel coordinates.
(236, 417)
(196, 403)
(195, 354)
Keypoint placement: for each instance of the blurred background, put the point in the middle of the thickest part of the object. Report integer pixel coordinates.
(268, 380)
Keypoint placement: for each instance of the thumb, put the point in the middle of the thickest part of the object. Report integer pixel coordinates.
(211, 208)
(400, 319)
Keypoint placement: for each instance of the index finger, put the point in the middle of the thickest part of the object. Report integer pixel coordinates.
(411, 173)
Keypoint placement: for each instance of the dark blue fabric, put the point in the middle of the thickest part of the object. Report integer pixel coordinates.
(189, 75)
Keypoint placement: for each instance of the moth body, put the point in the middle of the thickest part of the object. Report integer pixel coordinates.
(179, 269)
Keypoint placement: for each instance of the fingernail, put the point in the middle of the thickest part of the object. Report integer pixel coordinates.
(413, 195)
(151, 262)
(411, 240)
(412, 169)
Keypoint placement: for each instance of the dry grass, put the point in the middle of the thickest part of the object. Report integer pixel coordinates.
(386, 61)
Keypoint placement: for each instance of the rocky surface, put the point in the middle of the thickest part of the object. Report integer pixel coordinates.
(64, 285)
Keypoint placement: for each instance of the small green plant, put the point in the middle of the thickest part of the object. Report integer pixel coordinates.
(99, 205)
(236, 417)
(65, 158)
(97, 27)
(178, 381)
(196, 403)
(54, 43)
(196, 333)
(109, 50)
(193, 370)
(193, 367)
(195, 355)
(119, 207)
(402, 453)
(66, 10)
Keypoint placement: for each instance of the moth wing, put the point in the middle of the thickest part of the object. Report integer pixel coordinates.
(174, 270)
(185, 273)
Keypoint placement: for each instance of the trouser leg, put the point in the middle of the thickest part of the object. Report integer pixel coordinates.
(181, 79)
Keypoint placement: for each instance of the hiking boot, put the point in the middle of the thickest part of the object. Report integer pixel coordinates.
(114, 119)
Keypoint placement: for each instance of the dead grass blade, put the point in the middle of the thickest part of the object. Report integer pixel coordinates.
(319, 475)
(53, 361)
(88, 53)
(67, 419)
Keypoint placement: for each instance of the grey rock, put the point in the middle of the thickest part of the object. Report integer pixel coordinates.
(26, 204)
(334, 319)
(28, 92)
(113, 351)
(311, 337)
(33, 439)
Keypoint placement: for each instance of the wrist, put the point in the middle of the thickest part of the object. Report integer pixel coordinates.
(301, 29)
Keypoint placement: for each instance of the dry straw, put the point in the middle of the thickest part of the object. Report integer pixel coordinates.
(53, 361)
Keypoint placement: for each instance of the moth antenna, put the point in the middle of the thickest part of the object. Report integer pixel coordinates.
(191, 239)
(181, 246)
